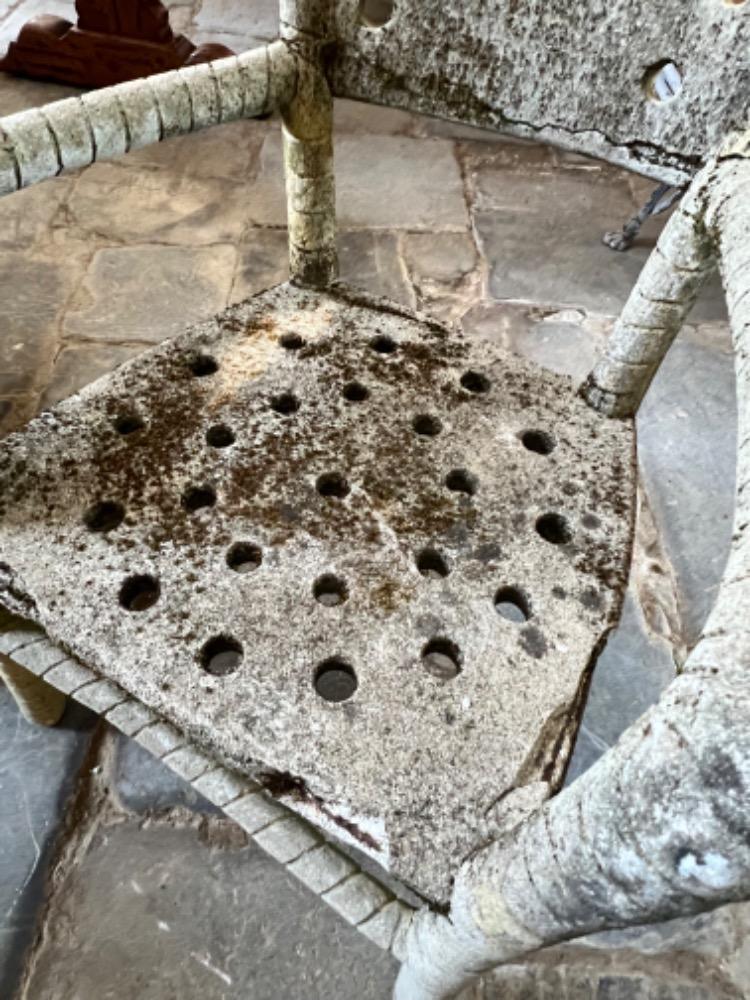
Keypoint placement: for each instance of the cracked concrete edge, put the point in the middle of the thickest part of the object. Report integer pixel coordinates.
(297, 845)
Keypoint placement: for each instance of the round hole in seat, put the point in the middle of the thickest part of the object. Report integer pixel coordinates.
(539, 441)
(355, 392)
(330, 590)
(285, 404)
(382, 344)
(554, 528)
(203, 364)
(244, 557)
(104, 516)
(332, 484)
(442, 658)
(221, 655)
(475, 382)
(376, 13)
(662, 81)
(198, 497)
(291, 341)
(432, 564)
(219, 436)
(426, 425)
(139, 592)
(512, 604)
(335, 680)
(128, 423)
(461, 481)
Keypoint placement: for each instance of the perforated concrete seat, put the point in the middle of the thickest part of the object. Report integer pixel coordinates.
(341, 548)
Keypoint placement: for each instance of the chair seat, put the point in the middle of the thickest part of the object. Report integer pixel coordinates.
(350, 553)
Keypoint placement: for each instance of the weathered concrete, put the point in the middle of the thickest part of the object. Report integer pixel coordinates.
(518, 67)
(402, 492)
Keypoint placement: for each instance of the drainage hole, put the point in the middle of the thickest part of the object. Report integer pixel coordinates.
(139, 592)
(331, 484)
(383, 344)
(461, 481)
(128, 423)
(219, 436)
(376, 13)
(104, 516)
(329, 590)
(475, 382)
(335, 680)
(244, 557)
(431, 564)
(197, 497)
(426, 425)
(202, 365)
(291, 341)
(554, 528)
(442, 659)
(355, 392)
(512, 604)
(221, 655)
(662, 81)
(539, 441)
(286, 403)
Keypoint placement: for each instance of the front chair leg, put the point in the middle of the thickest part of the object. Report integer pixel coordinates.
(38, 701)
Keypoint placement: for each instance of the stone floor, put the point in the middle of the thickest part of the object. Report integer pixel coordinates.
(116, 880)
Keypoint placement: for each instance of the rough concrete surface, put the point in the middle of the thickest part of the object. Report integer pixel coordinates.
(62, 334)
(423, 484)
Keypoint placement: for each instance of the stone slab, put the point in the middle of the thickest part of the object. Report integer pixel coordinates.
(144, 784)
(687, 452)
(38, 770)
(343, 496)
(161, 912)
(148, 293)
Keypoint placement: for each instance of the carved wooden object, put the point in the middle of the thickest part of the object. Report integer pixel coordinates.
(113, 41)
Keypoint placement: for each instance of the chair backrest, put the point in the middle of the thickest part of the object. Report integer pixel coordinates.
(651, 86)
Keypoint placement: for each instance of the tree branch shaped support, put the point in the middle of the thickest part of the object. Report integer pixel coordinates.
(659, 827)
(656, 309)
(42, 142)
(307, 26)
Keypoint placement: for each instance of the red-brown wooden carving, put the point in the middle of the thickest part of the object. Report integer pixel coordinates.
(113, 41)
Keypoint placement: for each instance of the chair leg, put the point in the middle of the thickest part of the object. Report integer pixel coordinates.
(38, 701)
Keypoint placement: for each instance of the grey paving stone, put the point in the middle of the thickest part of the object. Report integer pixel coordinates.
(223, 153)
(79, 364)
(686, 443)
(259, 19)
(371, 260)
(263, 261)
(440, 257)
(148, 293)
(38, 769)
(567, 341)
(32, 289)
(157, 913)
(372, 119)
(26, 216)
(144, 784)
(121, 203)
(396, 183)
(632, 671)
(541, 231)
(17, 94)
